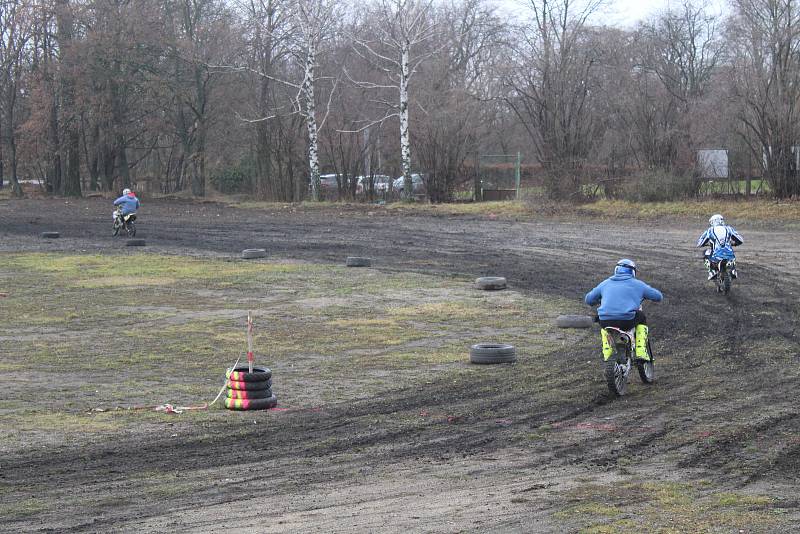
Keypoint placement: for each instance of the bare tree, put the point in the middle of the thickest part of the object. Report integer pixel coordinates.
(452, 93)
(15, 31)
(677, 54)
(548, 85)
(70, 116)
(199, 35)
(765, 76)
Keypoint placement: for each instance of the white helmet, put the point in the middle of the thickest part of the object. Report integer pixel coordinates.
(716, 220)
(126, 191)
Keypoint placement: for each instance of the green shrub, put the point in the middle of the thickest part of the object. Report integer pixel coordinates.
(659, 186)
(231, 180)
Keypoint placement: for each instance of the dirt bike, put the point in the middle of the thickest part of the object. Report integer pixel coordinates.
(126, 222)
(726, 273)
(618, 366)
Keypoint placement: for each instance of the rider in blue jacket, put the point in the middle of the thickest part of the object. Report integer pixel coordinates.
(620, 298)
(721, 238)
(128, 202)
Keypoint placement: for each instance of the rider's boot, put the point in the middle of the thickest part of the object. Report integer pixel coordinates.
(607, 349)
(641, 342)
(711, 272)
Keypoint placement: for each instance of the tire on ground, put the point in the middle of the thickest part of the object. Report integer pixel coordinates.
(254, 404)
(50, 235)
(244, 394)
(490, 282)
(249, 386)
(353, 261)
(574, 321)
(252, 253)
(241, 374)
(134, 243)
(492, 353)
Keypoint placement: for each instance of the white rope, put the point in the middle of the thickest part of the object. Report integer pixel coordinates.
(226, 382)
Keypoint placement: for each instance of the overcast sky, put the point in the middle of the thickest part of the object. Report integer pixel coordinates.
(624, 13)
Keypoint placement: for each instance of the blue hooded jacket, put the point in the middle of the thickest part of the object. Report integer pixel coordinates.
(129, 204)
(620, 296)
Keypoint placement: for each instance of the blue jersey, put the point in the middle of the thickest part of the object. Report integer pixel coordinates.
(128, 203)
(721, 239)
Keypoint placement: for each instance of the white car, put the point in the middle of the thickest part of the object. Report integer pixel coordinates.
(379, 181)
(417, 184)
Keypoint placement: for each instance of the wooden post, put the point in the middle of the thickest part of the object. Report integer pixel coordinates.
(250, 357)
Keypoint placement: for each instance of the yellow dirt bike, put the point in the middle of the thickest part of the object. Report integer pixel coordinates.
(618, 366)
(126, 222)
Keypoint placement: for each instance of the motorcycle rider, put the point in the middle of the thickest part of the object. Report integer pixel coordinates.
(128, 203)
(620, 298)
(721, 238)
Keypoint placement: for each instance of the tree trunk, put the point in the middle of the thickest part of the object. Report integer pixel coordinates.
(64, 19)
(405, 143)
(11, 99)
(199, 163)
(2, 166)
(72, 182)
(122, 160)
(55, 142)
(311, 121)
(93, 161)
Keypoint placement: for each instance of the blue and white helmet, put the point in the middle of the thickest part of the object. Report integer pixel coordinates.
(716, 220)
(625, 266)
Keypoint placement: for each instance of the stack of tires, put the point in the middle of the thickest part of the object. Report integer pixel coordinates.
(249, 391)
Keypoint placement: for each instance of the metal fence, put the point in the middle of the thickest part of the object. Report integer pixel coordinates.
(498, 176)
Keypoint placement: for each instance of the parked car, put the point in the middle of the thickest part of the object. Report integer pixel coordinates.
(328, 182)
(417, 184)
(379, 181)
(328, 186)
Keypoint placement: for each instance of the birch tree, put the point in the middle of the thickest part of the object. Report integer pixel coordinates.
(314, 18)
(398, 48)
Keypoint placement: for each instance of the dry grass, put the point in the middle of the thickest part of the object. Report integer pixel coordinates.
(667, 507)
(739, 210)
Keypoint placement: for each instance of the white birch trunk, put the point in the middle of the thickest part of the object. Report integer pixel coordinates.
(405, 142)
(311, 120)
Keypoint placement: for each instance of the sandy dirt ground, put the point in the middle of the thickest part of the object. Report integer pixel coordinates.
(722, 418)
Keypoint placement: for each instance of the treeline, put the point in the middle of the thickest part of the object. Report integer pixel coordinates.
(263, 96)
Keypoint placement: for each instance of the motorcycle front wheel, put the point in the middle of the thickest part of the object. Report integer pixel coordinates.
(115, 230)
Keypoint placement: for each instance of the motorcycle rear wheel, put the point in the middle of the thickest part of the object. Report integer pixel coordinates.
(647, 369)
(615, 372)
(131, 228)
(726, 282)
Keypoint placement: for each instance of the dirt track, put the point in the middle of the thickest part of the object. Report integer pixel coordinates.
(724, 409)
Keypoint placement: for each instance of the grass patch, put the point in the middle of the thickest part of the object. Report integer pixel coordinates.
(534, 204)
(667, 507)
(509, 208)
(588, 509)
(734, 210)
(87, 331)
